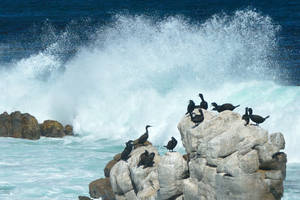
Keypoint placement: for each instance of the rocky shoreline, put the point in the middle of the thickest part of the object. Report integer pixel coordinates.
(225, 160)
(26, 126)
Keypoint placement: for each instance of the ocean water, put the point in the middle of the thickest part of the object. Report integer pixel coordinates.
(110, 68)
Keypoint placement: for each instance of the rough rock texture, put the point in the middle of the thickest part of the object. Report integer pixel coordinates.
(19, 125)
(131, 182)
(225, 160)
(101, 188)
(68, 130)
(84, 198)
(172, 170)
(231, 161)
(52, 128)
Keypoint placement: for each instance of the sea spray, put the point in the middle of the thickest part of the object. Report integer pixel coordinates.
(139, 71)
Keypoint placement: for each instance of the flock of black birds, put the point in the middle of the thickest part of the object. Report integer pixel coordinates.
(147, 159)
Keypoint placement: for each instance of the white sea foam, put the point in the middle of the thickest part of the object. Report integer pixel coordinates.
(138, 71)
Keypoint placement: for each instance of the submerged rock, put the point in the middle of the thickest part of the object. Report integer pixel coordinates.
(19, 125)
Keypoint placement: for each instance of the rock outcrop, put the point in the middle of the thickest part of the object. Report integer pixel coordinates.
(19, 125)
(225, 160)
(229, 160)
(24, 125)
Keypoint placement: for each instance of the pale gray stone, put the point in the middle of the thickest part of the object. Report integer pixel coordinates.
(131, 195)
(278, 140)
(172, 169)
(190, 189)
(120, 178)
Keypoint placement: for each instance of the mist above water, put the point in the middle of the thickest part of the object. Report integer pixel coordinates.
(139, 71)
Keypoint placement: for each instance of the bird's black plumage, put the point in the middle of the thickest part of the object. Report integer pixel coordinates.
(144, 137)
(246, 116)
(203, 103)
(190, 107)
(127, 150)
(256, 118)
(198, 118)
(171, 144)
(143, 157)
(223, 107)
(149, 161)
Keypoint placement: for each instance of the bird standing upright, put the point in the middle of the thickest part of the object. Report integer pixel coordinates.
(171, 144)
(144, 137)
(203, 103)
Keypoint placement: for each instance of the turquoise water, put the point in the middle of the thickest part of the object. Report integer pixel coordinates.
(133, 71)
(61, 169)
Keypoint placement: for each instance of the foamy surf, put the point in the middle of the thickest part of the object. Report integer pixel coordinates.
(138, 71)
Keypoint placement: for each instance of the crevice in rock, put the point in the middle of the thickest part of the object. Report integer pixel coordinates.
(175, 196)
(211, 165)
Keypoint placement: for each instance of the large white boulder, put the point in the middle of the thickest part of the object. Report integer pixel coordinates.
(172, 170)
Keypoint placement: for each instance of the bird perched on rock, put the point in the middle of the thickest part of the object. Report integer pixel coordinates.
(190, 107)
(221, 108)
(198, 118)
(171, 144)
(144, 137)
(246, 116)
(203, 103)
(126, 152)
(256, 118)
(149, 160)
(143, 157)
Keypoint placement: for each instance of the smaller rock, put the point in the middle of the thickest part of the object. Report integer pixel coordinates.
(52, 128)
(117, 157)
(108, 167)
(84, 198)
(68, 130)
(101, 188)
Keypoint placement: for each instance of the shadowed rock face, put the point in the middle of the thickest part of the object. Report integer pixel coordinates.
(19, 125)
(101, 188)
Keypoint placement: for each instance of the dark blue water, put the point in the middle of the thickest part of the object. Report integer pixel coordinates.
(27, 27)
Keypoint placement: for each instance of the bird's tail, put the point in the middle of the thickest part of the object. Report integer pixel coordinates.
(165, 146)
(236, 106)
(267, 117)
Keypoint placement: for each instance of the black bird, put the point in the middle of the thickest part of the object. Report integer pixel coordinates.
(144, 137)
(198, 118)
(203, 103)
(143, 157)
(221, 108)
(171, 144)
(126, 152)
(149, 160)
(190, 107)
(256, 118)
(246, 116)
